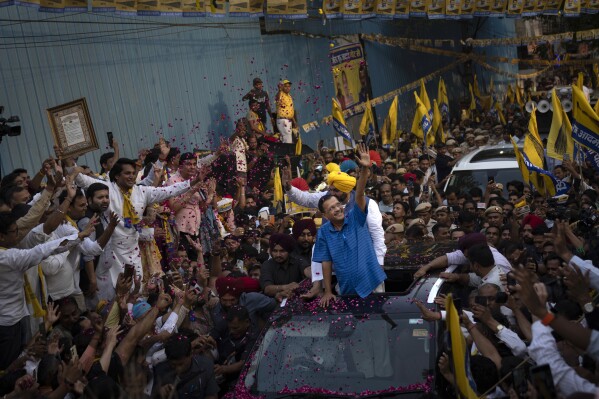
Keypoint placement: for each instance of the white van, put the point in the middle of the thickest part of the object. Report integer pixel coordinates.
(477, 167)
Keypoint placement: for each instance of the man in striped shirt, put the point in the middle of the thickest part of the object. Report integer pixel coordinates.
(344, 242)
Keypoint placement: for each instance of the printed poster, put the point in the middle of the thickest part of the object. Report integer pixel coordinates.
(352, 9)
(215, 8)
(468, 8)
(346, 64)
(453, 8)
(368, 8)
(170, 7)
(148, 7)
(103, 6)
(402, 9)
(385, 8)
(193, 8)
(125, 7)
(528, 8)
(514, 8)
(291, 9)
(572, 8)
(552, 7)
(498, 8)
(435, 9)
(245, 8)
(417, 8)
(591, 7)
(75, 5)
(483, 8)
(52, 5)
(332, 8)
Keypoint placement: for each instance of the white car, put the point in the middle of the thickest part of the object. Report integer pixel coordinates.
(477, 167)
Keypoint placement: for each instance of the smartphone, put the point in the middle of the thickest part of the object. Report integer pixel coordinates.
(542, 380)
(481, 300)
(42, 329)
(501, 297)
(425, 188)
(520, 381)
(481, 205)
(129, 271)
(74, 351)
(511, 281)
(457, 302)
(110, 139)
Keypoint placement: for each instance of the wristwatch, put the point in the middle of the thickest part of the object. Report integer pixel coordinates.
(588, 307)
(499, 328)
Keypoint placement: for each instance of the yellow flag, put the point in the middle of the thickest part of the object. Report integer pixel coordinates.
(424, 98)
(393, 120)
(596, 72)
(367, 123)
(472, 99)
(278, 187)
(580, 80)
(460, 356)
(559, 141)
(385, 133)
(421, 125)
(585, 121)
(298, 145)
(475, 87)
(339, 123)
(519, 100)
(596, 109)
(437, 134)
(510, 94)
(521, 164)
(442, 98)
(533, 146)
(499, 109)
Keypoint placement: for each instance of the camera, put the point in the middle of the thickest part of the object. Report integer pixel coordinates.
(5, 125)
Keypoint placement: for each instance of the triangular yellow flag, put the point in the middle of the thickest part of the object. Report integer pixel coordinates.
(519, 100)
(585, 121)
(385, 133)
(475, 88)
(367, 122)
(424, 98)
(422, 124)
(521, 163)
(393, 120)
(278, 187)
(472, 99)
(580, 80)
(559, 141)
(533, 146)
(510, 94)
(442, 98)
(298, 145)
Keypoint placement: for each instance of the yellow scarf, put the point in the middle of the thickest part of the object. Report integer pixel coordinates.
(71, 221)
(30, 298)
(130, 217)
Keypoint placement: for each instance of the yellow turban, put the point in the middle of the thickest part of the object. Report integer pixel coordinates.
(333, 167)
(341, 181)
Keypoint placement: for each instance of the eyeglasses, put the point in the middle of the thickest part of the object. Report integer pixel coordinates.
(335, 206)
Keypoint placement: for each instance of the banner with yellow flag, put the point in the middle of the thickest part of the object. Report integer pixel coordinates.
(278, 187)
(460, 356)
(339, 125)
(443, 99)
(421, 125)
(585, 121)
(521, 164)
(533, 145)
(425, 100)
(559, 141)
(367, 122)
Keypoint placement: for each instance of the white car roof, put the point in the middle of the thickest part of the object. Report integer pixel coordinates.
(493, 153)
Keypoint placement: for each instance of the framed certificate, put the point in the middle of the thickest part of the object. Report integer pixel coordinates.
(72, 128)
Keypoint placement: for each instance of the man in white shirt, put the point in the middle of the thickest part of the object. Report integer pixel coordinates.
(482, 265)
(14, 315)
(129, 202)
(459, 257)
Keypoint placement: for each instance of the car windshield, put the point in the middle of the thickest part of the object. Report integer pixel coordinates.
(464, 180)
(343, 353)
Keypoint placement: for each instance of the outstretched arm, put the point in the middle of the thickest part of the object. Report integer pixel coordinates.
(364, 162)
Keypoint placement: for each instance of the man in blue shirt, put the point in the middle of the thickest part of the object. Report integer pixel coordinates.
(344, 241)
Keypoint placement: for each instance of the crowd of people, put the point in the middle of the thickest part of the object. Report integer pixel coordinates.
(151, 277)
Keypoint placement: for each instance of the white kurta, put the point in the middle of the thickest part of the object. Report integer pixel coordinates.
(123, 247)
